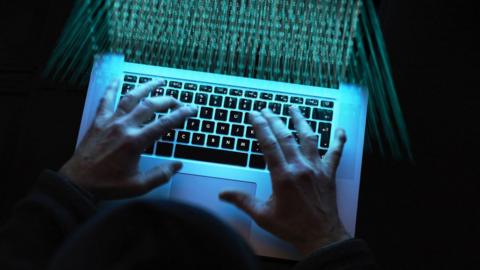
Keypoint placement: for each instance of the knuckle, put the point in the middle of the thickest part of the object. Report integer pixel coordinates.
(269, 144)
(117, 129)
(98, 125)
(129, 97)
(287, 136)
(130, 140)
(302, 172)
(148, 104)
(311, 138)
(166, 121)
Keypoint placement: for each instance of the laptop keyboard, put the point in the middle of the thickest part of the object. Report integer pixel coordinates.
(220, 132)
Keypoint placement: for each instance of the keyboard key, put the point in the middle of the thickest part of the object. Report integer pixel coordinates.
(243, 145)
(305, 111)
(325, 140)
(211, 155)
(286, 109)
(245, 104)
(221, 90)
(175, 84)
(186, 97)
(327, 104)
(281, 98)
(221, 114)
(256, 147)
(322, 114)
(250, 133)
(213, 140)
(193, 124)
(183, 137)
(246, 118)
(236, 116)
(266, 96)
(172, 92)
(201, 99)
(311, 102)
(275, 107)
(237, 130)
(257, 161)
(208, 126)
(223, 128)
(164, 149)
(169, 135)
(145, 79)
(130, 78)
(236, 92)
(259, 105)
(190, 86)
(127, 87)
(251, 94)
(206, 88)
(290, 124)
(284, 119)
(158, 92)
(313, 125)
(230, 102)
(148, 150)
(206, 113)
(198, 138)
(296, 100)
(324, 127)
(228, 142)
(216, 100)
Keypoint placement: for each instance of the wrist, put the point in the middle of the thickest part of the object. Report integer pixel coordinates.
(335, 235)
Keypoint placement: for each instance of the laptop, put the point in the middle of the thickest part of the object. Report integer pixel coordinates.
(218, 147)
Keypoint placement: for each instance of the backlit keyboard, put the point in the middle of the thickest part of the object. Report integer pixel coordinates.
(221, 132)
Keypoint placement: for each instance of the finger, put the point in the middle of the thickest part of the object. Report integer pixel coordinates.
(287, 142)
(158, 176)
(332, 157)
(251, 206)
(105, 107)
(143, 112)
(132, 98)
(308, 139)
(172, 120)
(268, 143)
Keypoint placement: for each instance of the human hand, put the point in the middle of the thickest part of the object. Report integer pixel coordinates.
(303, 206)
(106, 161)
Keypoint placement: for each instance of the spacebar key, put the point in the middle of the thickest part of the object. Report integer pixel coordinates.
(210, 155)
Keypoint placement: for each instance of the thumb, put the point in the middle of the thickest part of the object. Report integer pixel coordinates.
(247, 203)
(159, 175)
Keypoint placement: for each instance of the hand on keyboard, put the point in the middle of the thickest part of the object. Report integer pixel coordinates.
(106, 161)
(303, 207)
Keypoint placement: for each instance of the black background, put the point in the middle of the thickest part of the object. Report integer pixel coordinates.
(413, 216)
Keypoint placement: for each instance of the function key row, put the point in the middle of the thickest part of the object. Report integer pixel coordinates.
(233, 92)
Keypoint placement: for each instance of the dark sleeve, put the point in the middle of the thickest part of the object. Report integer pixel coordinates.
(350, 254)
(41, 221)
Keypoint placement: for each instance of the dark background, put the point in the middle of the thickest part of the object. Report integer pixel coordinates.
(413, 215)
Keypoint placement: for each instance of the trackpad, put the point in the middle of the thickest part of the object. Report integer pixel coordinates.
(203, 192)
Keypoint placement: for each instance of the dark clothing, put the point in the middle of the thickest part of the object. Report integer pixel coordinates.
(57, 226)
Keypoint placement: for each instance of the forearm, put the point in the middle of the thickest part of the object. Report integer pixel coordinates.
(344, 255)
(41, 221)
